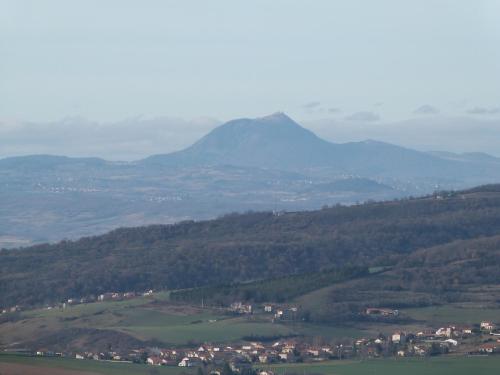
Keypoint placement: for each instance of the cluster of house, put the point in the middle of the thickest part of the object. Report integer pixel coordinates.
(483, 338)
(432, 342)
(279, 312)
(241, 308)
(283, 313)
(238, 356)
(114, 296)
(132, 356)
(110, 296)
(12, 309)
(382, 312)
(246, 355)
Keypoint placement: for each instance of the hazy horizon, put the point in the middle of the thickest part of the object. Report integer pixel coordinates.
(153, 79)
(135, 138)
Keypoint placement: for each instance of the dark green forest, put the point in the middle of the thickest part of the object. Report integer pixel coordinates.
(282, 289)
(236, 248)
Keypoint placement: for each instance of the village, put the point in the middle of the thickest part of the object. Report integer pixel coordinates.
(482, 338)
(452, 339)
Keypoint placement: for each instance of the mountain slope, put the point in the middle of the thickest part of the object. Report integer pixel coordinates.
(275, 141)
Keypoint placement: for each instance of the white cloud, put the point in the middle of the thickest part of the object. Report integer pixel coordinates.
(129, 139)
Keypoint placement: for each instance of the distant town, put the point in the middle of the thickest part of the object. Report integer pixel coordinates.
(482, 338)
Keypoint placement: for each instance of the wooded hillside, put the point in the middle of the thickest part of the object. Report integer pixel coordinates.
(254, 246)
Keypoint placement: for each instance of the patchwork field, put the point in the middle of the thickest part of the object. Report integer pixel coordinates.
(154, 320)
(147, 321)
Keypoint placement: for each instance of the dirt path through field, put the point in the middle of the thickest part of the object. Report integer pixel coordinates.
(18, 369)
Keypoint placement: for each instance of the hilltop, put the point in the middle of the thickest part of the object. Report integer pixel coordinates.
(274, 141)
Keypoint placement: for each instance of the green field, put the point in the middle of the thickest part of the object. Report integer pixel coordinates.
(433, 366)
(155, 318)
(220, 331)
(149, 324)
(152, 318)
(98, 367)
(453, 314)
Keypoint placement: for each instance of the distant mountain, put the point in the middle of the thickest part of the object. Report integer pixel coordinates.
(246, 164)
(278, 142)
(274, 141)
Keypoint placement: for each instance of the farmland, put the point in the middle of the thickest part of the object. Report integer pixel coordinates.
(433, 298)
(459, 313)
(433, 366)
(154, 319)
(65, 366)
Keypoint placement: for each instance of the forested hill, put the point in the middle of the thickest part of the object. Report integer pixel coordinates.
(244, 247)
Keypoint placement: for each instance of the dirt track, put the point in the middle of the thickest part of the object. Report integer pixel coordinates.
(18, 369)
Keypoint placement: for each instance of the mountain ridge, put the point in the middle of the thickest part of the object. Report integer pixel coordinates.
(277, 141)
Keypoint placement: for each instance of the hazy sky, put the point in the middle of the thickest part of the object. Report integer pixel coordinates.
(351, 61)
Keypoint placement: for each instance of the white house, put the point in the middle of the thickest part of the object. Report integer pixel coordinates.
(451, 342)
(398, 337)
(488, 326)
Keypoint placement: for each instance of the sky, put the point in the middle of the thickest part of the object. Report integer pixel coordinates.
(73, 74)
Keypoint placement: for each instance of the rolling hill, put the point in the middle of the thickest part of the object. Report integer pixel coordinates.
(253, 246)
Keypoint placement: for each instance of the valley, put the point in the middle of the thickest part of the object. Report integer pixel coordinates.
(49, 198)
(426, 287)
(124, 333)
